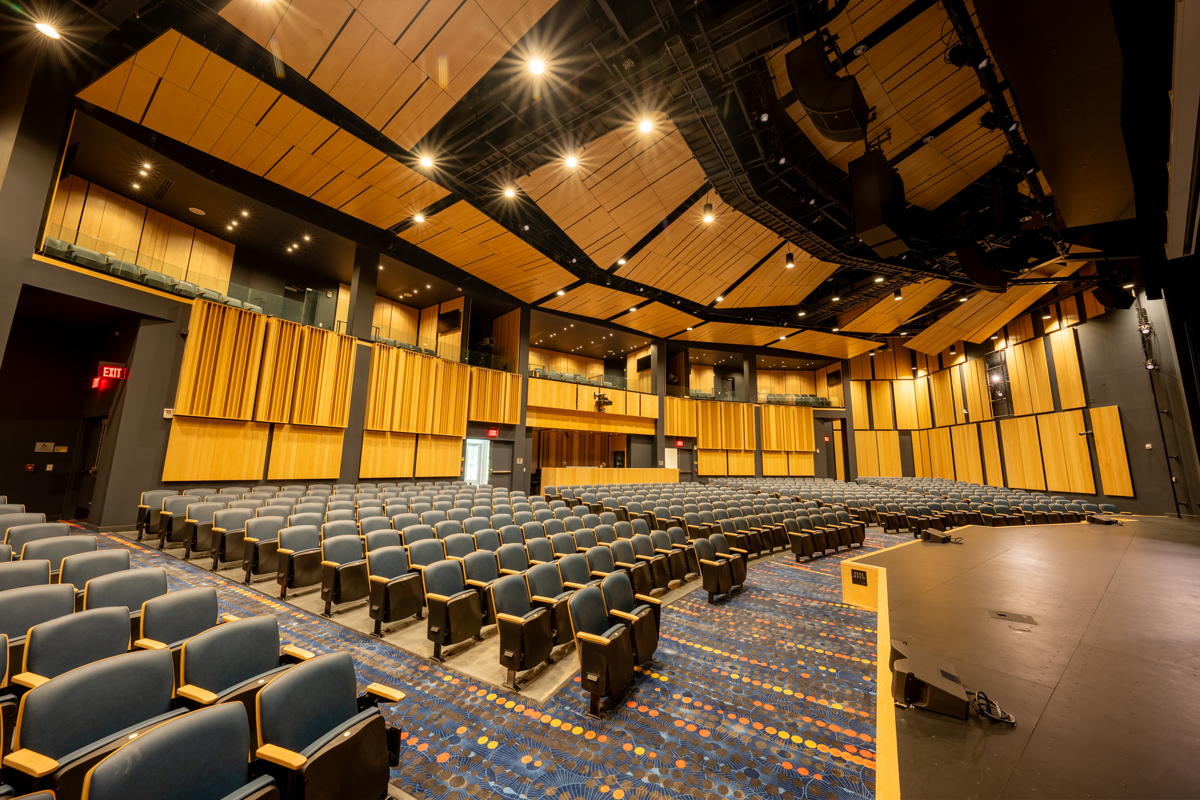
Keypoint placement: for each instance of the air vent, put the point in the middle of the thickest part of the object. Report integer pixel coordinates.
(163, 188)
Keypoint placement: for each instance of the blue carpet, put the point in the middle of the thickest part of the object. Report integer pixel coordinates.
(769, 695)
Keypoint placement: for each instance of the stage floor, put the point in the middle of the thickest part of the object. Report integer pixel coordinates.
(1104, 683)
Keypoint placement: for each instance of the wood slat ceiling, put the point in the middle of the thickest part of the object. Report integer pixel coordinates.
(733, 333)
(177, 88)
(913, 88)
(590, 300)
(699, 261)
(773, 284)
(889, 313)
(467, 238)
(657, 319)
(986, 312)
(398, 64)
(819, 343)
(626, 183)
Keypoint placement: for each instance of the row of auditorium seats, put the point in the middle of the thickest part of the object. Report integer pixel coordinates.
(121, 699)
(605, 381)
(76, 254)
(795, 400)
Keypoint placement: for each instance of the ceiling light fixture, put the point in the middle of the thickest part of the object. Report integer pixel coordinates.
(879, 279)
(307, 237)
(835, 298)
(1127, 286)
(143, 172)
(835, 330)
(620, 262)
(418, 217)
(560, 293)
(788, 261)
(425, 161)
(136, 185)
(572, 161)
(898, 294)
(645, 125)
(708, 213)
(510, 192)
(245, 213)
(233, 223)
(962, 299)
(48, 30)
(632, 309)
(536, 66)
(1046, 316)
(720, 298)
(801, 313)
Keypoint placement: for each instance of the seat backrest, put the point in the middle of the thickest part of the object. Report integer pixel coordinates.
(544, 580)
(64, 643)
(232, 519)
(618, 592)
(585, 538)
(157, 764)
(306, 518)
(623, 528)
(472, 524)
(264, 528)
(704, 549)
(229, 654)
(481, 565)
(20, 535)
(342, 549)
(170, 618)
(539, 549)
(513, 556)
(574, 568)
(416, 533)
(24, 607)
(459, 544)
(383, 538)
(510, 595)
(720, 543)
(129, 588)
(388, 562)
(600, 559)
(300, 537)
(154, 497)
(426, 551)
(444, 578)
(447, 527)
(511, 534)
(340, 527)
(17, 574)
(56, 548)
(101, 699)
(642, 544)
(487, 539)
(307, 701)
(588, 614)
(622, 550)
(203, 512)
(532, 530)
(660, 540)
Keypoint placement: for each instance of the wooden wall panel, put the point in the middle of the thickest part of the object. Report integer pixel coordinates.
(924, 409)
(438, 457)
(725, 426)
(302, 452)
(711, 462)
(1022, 453)
(388, 455)
(943, 398)
(787, 428)
(324, 372)
(831, 383)
(506, 330)
(680, 416)
(786, 381)
(395, 321)
(888, 448)
(993, 474)
(416, 393)
(554, 448)
(567, 363)
(905, 398)
(277, 375)
(494, 397)
(956, 393)
(968, 463)
(881, 404)
(1109, 437)
(201, 449)
(775, 463)
(740, 462)
(564, 419)
(978, 399)
(941, 454)
(1029, 378)
(702, 378)
(866, 452)
(1065, 453)
(1067, 373)
(859, 407)
(921, 459)
(219, 375)
(800, 465)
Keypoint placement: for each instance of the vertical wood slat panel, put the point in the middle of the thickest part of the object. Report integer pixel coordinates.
(740, 462)
(888, 448)
(1067, 375)
(881, 404)
(711, 462)
(438, 456)
(1030, 384)
(277, 375)
(1065, 453)
(304, 452)
(774, 463)
(968, 465)
(905, 397)
(956, 393)
(324, 371)
(1111, 456)
(787, 428)
(1022, 453)
(200, 449)
(680, 417)
(858, 404)
(866, 453)
(943, 398)
(725, 426)
(219, 374)
(921, 466)
(941, 454)
(800, 465)
(494, 396)
(978, 398)
(415, 393)
(924, 410)
(991, 454)
(388, 455)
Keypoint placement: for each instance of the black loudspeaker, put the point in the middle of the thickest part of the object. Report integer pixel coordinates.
(878, 196)
(973, 262)
(1112, 297)
(922, 680)
(834, 103)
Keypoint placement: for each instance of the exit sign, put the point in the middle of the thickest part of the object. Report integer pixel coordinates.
(116, 372)
(679, 442)
(493, 433)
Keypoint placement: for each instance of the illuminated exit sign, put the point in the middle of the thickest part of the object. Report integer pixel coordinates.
(115, 372)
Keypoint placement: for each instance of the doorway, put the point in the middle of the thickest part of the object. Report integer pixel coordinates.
(477, 462)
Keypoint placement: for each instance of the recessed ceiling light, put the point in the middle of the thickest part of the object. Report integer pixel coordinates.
(418, 217)
(801, 313)
(898, 294)
(536, 65)
(632, 308)
(425, 161)
(835, 330)
(689, 329)
(46, 29)
(510, 192)
(560, 293)
(835, 298)
(307, 238)
(381, 267)
(1046, 316)
(199, 212)
(879, 279)
(720, 298)
(143, 172)
(428, 286)
(136, 185)
(781, 338)
(229, 227)
(645, 125)
(789, 261)
(962, 299)
(245, 213)
(571, 161)
(620, 262)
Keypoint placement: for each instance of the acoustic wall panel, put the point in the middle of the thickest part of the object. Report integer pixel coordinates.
(993, 474)
(1065, 453)
(219, 375)
(1068, 376)
(787, 428)
(968, 465)
(303, 452)
(201, 449)
(494, 397)
(1113, 461)
(1022, 453)
(388, 455)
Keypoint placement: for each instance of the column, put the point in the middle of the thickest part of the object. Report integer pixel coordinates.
(361, 315)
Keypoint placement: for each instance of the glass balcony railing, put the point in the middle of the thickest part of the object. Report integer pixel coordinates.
(596, 379)
(793, 399)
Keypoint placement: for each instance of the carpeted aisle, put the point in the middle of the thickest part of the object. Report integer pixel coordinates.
(769, 695)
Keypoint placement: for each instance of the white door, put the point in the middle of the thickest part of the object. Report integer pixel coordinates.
(477, 464)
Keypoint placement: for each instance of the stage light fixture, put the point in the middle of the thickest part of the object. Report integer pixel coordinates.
(1151, 364)
(48, 30)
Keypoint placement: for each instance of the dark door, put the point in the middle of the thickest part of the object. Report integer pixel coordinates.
(641, 451)
(78, 500)
(824, 461)
(686, 463)
(502, 464)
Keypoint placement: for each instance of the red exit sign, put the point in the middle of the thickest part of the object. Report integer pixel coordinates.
(493, 433)
(116, 372)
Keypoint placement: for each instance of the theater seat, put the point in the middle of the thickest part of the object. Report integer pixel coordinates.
(168, 620)
(716, 575)
(21, 609)
(547, 591)
(396, 591)
(639, 613)
(200, 755)
(319, 739)
(56, 548)
(605, 649)
(259, 544)
(298, 558)
(106, 701)
(343, 571)
(455, 614)
(130, 589)
(17, 536)
(80, 568)
(60, 645)
(18, 574)
(526, 632)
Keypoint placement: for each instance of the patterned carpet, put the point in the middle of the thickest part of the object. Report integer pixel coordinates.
(769, 695)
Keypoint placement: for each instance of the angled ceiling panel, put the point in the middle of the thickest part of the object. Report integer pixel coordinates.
(819, 343)
(657, 319)
(626, 183)
(470, 240)
(733, 333)
(590, 300)
(888, 314)
(773, 284)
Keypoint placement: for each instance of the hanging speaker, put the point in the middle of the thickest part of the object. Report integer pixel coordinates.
(1113, 297)
(877, 193)
(974, 262)
(834, 103)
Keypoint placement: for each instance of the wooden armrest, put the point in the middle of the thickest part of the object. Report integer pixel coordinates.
(215, 529)
(473, 582)
(645, 598)
(150, 644)
(439, 597)
(641, 557)
(229, 618)
(281, 756)
(584, 635)
(710, 563)
(385, 693)
(510, 572)
(31, 763)
(30, 680)
(624, 615)
(598, 574)
(250, 540)
(738, 550)
(664, 552)
(330, 564)
(510, 618)
(378, 579)
(624, 565)
(283, 551)
(297, 652)
(196, 694)
(570, 585)
(537, 598)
